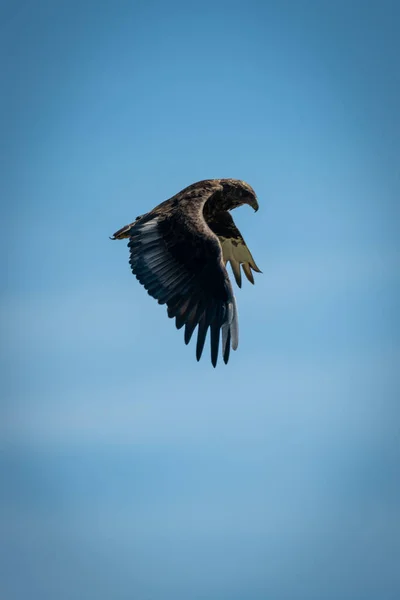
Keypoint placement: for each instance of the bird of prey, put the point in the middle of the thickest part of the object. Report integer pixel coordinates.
(179, 251)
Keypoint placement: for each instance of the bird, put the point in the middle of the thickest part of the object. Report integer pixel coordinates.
(179, 252)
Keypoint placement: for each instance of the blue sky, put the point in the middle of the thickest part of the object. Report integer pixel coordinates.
(130, 470)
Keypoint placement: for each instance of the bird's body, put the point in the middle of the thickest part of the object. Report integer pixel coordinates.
(179, 251)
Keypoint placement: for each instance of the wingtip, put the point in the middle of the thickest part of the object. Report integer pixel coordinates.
(247, 271)
(255, 268)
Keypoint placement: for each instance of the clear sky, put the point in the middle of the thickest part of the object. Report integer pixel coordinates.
(130, 471)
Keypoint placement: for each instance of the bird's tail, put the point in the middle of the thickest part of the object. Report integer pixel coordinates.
(125, 232)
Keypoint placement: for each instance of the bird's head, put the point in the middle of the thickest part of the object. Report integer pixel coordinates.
(239, 192)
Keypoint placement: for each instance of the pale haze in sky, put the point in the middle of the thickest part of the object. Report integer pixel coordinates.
(130, 471)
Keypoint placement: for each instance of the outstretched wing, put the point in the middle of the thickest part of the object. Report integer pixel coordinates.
(179, 261)
(234, 249)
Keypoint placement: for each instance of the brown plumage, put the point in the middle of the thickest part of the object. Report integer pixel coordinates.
(179, 251)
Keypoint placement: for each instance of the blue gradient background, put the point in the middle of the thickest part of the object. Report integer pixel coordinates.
(129, 471)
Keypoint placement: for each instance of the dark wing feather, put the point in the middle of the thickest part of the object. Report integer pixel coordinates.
(234, 249)
(179, 261)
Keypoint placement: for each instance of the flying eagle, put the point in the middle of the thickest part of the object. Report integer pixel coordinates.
(179, 251)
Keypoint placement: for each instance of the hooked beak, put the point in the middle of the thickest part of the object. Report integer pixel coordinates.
(254, 204)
